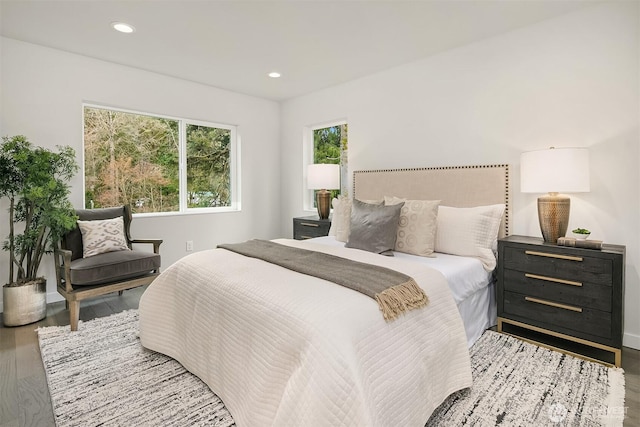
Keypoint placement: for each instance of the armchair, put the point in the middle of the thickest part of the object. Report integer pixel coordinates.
(79, 278)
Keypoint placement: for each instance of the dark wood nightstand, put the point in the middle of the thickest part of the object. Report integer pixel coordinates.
(307, 227)
(568, 299)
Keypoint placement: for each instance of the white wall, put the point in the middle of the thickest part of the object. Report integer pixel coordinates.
(572, 81)
(42, 94)
(569, 81)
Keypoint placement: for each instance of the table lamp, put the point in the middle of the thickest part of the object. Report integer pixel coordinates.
(323, 177)
(554, 171)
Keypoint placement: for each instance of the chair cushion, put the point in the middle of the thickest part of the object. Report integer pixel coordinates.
(113, 267)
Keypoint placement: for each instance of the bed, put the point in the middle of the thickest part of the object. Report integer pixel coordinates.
(284, 348)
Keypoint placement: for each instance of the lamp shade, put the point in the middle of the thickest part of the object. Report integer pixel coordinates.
(557, 170)
(323, 177)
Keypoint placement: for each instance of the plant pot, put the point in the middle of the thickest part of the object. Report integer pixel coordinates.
(24, 304)
(581, 236)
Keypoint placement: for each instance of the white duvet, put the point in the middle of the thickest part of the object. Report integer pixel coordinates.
(285, 349)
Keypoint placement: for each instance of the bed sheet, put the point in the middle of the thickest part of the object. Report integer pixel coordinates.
(470, 284)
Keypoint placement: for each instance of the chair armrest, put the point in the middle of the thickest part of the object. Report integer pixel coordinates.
(156, 243)
(63, 267)
(64, 253)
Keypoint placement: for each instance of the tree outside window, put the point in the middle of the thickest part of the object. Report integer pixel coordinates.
(208, 167)
(134, 159)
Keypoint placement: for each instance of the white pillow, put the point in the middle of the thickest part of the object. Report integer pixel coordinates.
(101, 236)
(470, 232)
(417, 225)
(340, 220)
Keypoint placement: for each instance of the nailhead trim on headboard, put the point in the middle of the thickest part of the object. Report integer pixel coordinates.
(506, 181)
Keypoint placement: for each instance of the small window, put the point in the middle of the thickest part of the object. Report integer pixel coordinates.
(157, 164)
(329, 146)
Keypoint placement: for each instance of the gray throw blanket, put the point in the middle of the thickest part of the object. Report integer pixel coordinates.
(395, 292)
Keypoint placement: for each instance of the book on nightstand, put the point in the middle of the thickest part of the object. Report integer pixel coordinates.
(580, 243)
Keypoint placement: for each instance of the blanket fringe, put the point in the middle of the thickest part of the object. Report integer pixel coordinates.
(401, 298)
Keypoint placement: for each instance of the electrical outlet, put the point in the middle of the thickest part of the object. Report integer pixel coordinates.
(189, 245)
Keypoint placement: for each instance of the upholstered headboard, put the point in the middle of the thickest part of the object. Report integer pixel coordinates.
(457, 186)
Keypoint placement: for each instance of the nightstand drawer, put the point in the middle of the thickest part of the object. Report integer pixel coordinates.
(562, 265)
(545, 312)
(310, 227)
(571, 292)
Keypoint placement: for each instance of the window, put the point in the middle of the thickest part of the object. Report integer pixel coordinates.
(329, 146)
(157, 164)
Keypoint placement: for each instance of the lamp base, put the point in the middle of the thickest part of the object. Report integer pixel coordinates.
(323, 202)
(553, 214)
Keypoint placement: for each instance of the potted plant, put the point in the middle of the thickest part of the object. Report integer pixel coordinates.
(581, 233)
(35, 182)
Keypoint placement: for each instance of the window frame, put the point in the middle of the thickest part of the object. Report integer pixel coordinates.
(308, 159)
(234, 156)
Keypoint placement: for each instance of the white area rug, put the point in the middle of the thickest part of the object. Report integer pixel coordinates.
(101, 375)
(520, 384)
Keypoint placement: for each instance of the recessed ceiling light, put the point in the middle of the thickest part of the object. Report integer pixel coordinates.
(123, 27)
(274, 74)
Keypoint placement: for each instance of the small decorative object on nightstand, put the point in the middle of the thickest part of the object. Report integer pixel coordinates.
(307, 227)
(565, 298)
(581, 233)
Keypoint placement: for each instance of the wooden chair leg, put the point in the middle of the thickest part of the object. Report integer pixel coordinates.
(74, 314)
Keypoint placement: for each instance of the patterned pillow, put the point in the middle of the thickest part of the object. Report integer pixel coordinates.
(101, 236)
(417, 225)
(470, 232)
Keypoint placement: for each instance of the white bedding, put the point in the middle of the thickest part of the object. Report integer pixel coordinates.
(286, 349)
(470, 285)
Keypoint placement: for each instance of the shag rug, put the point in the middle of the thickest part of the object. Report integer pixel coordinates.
(101, 375)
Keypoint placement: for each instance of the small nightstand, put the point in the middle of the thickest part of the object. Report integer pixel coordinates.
(568, 299)
(307, 227)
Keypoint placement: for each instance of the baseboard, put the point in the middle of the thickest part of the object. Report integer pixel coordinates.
(631, 341)
(54, 297)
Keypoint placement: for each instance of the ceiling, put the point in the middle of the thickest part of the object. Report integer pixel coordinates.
(234, 44)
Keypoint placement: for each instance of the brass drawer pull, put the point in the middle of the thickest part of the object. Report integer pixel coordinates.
(309, 224)
(548, 255)
(554, 304)
(552, 279)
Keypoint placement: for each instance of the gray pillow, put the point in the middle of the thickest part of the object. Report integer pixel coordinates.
(374, 228)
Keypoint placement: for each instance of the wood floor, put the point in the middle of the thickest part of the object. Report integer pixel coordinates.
(24, 396)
